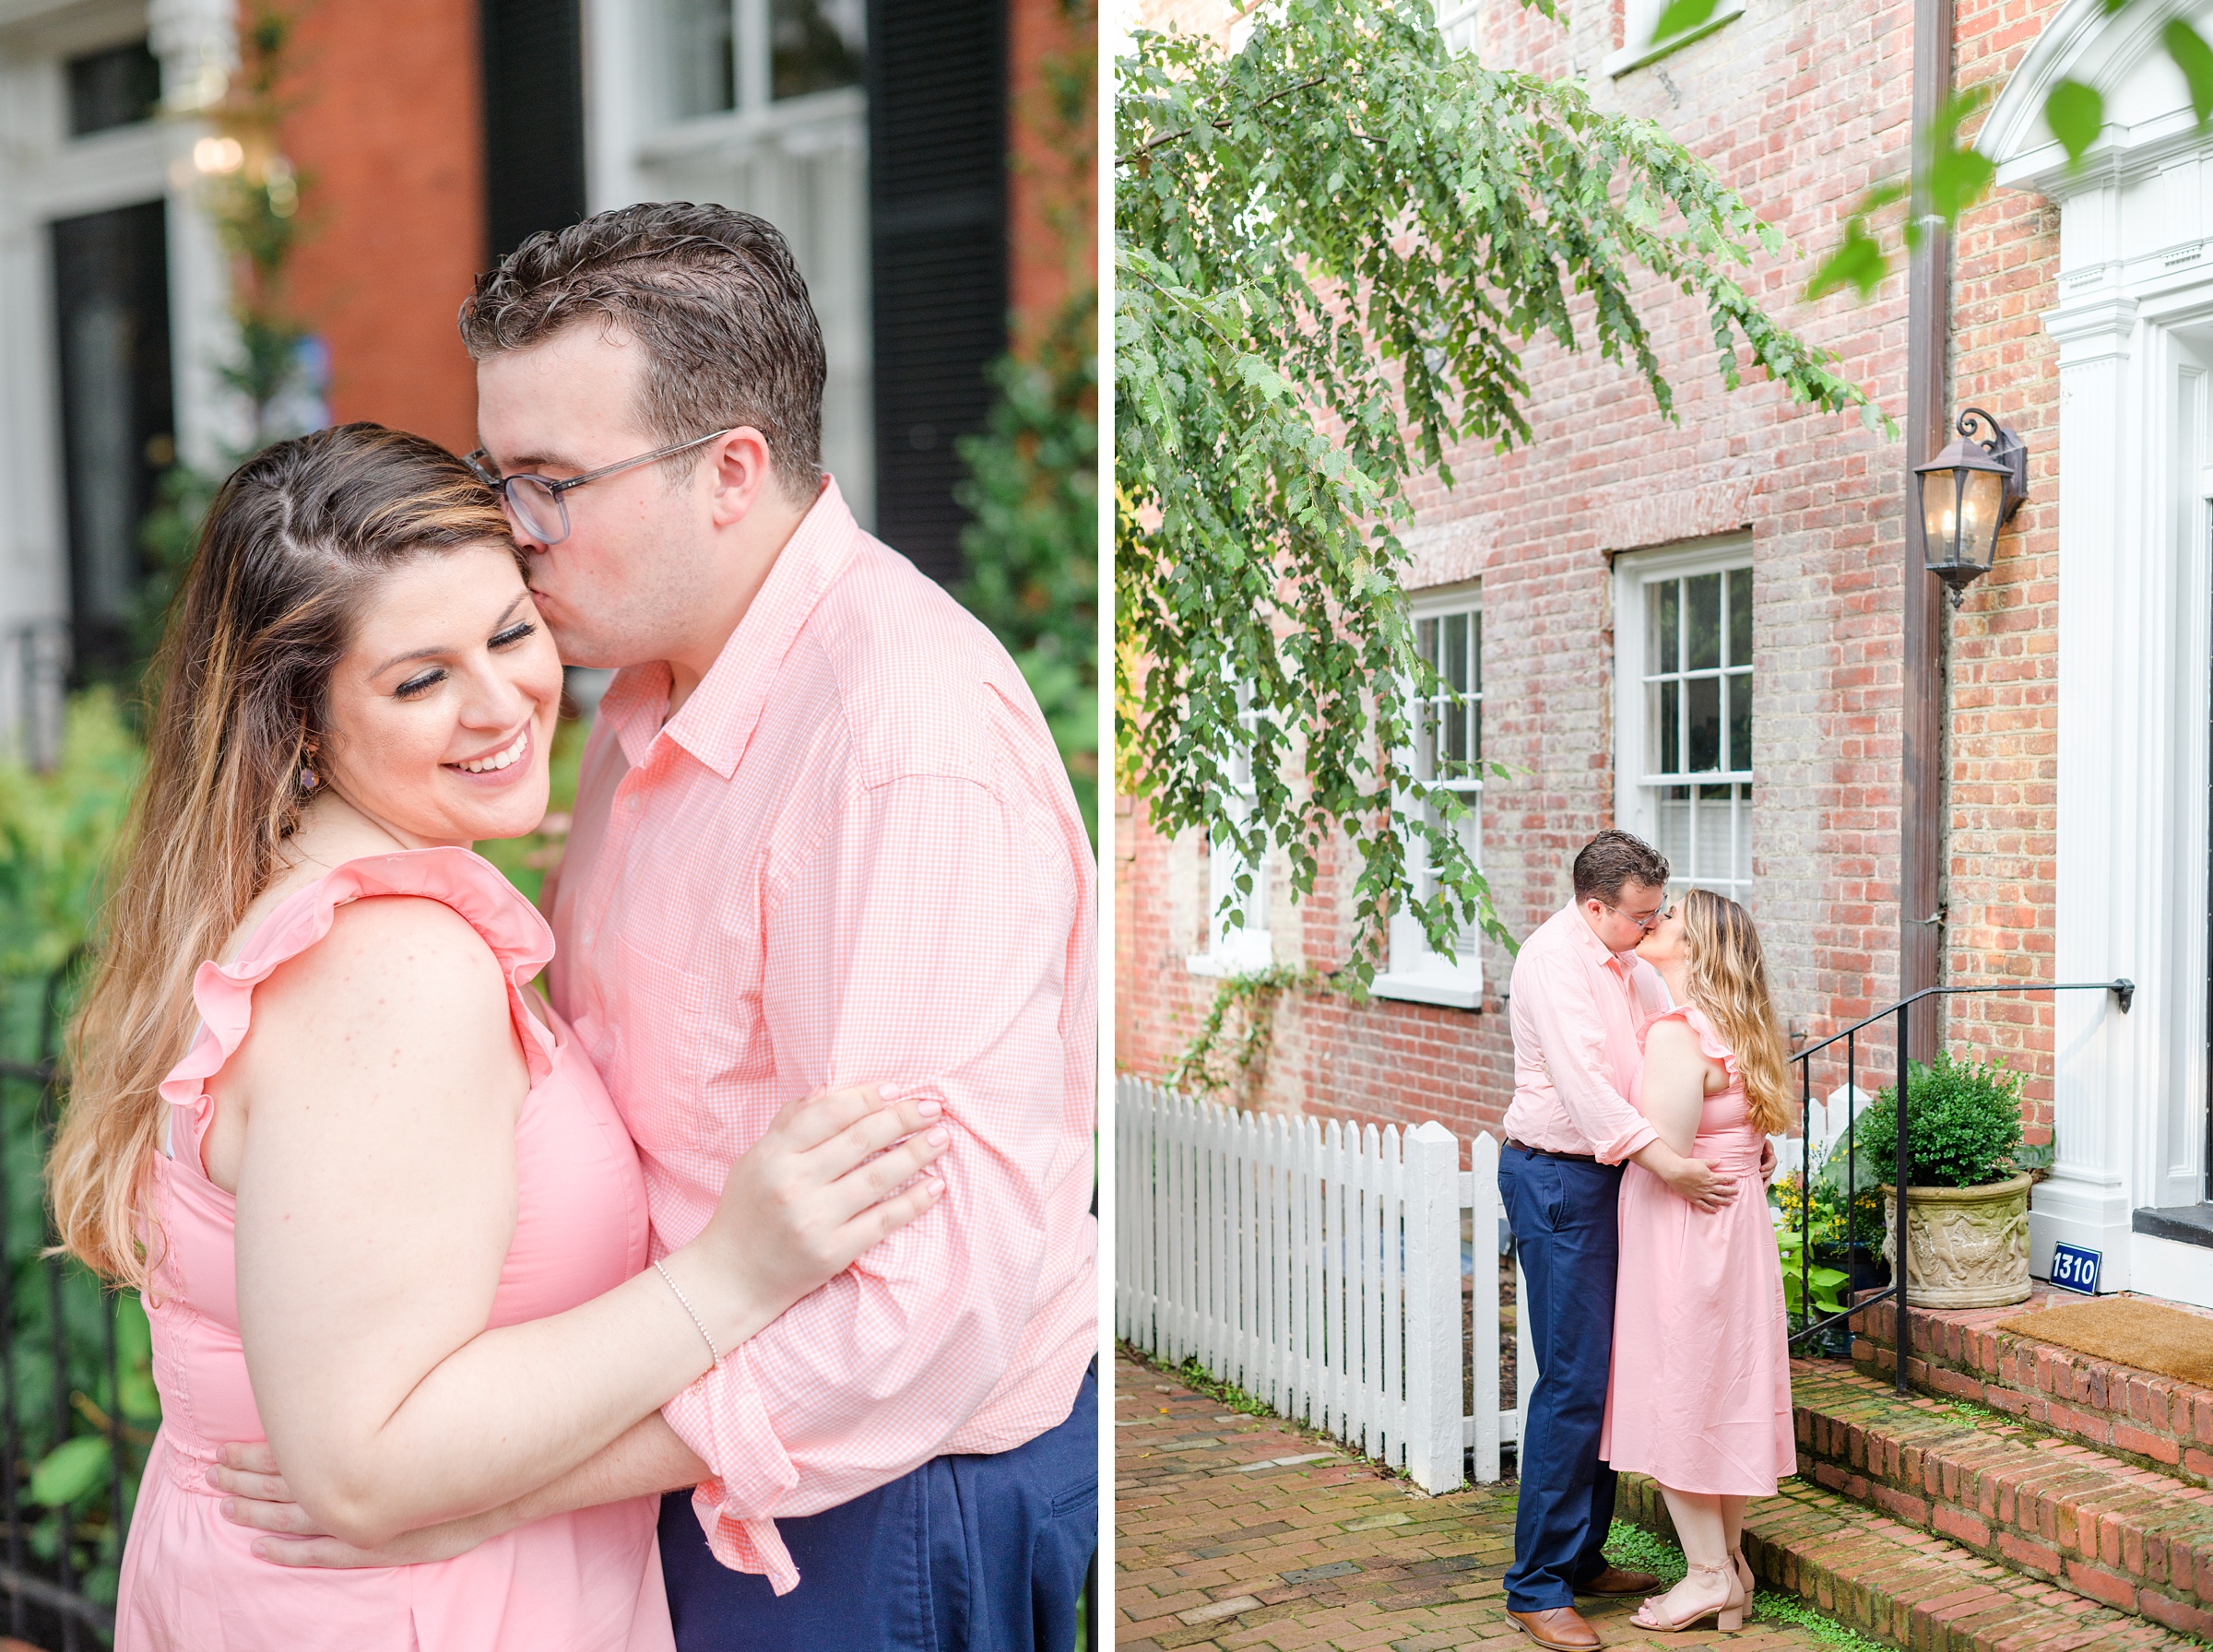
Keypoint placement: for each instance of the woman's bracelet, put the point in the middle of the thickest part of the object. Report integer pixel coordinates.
(715, 1353)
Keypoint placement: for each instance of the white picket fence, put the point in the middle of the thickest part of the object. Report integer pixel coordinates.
(1317, 1265)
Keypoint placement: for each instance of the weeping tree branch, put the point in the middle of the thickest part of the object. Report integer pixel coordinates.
(1331, 248)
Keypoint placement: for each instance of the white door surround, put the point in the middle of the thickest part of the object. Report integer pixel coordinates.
(45, 174)
(2135, 329)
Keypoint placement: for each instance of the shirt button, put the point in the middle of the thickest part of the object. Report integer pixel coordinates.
(589, 934)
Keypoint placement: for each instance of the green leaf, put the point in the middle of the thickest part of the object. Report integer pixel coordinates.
(2195, 58)
(1958, 174)
(70, 1470)
(1680, 17)
(2075, 112)
(1858, 261)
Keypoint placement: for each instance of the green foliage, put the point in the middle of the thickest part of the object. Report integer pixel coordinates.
(70, 1471)
(1963, 1125)
(1032, 545)
(1948, 176)
(2075, 112)
(1227, 1057)
(57, 830)
(1825, 1285)
(1632, 1546)
(1333, 249)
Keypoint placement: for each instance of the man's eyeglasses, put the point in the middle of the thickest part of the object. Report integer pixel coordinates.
(534, 503)
(1650, 923)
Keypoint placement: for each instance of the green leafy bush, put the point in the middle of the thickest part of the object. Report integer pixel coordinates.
(1963, 1125)
(57, 833)
(1032, 545)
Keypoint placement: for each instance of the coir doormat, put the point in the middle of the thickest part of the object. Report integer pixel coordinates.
(2129, 1331)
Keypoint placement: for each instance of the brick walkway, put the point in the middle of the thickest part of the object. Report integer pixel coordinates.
(1237, 1532)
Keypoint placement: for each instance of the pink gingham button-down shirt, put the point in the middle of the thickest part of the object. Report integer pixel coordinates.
(852, 855)
(1578, 1012)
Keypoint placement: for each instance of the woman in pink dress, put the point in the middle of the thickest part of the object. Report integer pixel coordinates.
(384, 1214)
(1701, 1393)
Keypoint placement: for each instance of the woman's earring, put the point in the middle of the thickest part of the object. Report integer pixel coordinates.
(308, 781)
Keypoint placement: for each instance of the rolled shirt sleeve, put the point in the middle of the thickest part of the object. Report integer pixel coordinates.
(920, 943)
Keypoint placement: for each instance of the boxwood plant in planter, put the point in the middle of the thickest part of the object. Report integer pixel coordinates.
(1967, 1198)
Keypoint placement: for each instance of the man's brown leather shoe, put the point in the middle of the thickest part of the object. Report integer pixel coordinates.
(1560, 1629)
(1614, 1581)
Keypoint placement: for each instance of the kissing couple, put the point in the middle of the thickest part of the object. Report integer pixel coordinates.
(1649, 1072)
(738, 1291)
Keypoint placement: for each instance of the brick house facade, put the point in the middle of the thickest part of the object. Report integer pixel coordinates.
(431, 135)
(2075, 747)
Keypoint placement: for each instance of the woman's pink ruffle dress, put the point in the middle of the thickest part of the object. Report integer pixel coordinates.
(584, 1582)
(1700, 1393)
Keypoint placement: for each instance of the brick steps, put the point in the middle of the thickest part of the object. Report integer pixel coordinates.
(2111, 1531)
(2157, 1422)
(1904, 1586)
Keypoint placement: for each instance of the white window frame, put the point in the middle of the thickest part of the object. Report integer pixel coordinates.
(1639, 18)
(1456, 21)
(1231, 950)
(1635, 802)
(1417, 972)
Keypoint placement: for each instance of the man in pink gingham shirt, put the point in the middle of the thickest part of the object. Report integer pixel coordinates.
(822, 838)
(852, 854)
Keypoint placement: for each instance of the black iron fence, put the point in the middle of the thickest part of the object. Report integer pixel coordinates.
(1863, 1288)
(78, 1407)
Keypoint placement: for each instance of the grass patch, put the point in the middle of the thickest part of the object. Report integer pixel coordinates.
(1198, 1378)
(1633, 1547)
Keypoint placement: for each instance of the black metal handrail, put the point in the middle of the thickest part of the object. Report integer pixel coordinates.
(1895, 1292)
(53, 1587)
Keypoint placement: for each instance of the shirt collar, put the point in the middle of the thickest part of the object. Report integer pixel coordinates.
(716, 721)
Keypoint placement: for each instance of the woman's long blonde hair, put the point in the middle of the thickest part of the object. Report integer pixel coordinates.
(1729, 982)
(292, 544)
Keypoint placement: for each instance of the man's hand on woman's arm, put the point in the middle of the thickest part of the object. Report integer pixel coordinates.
(1691, 1180)
(647, 1460)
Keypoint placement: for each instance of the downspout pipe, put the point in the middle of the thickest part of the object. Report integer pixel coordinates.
(1920, 722)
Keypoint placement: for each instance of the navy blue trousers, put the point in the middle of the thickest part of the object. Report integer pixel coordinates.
(965, 1554)
(1564, 1214)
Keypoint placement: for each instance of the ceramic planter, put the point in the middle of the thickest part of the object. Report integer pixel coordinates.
(1966, 1247)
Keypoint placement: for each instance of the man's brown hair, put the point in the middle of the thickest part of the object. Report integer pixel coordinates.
(713, 298)
(1613, 859)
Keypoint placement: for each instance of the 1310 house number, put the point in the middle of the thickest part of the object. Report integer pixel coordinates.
(2075, 1269)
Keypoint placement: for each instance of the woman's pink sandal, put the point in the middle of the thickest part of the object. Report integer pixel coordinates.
(1728, 1614)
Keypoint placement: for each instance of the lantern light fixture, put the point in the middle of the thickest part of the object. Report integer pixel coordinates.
(1968, 492)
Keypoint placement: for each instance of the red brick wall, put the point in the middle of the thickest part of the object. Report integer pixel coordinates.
(1801, 108)
(1052, 176)
(387, 132)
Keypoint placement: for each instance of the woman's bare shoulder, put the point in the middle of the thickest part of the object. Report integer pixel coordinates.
(1671, 1035)
(402, 963)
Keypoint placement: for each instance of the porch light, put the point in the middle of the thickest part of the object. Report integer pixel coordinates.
(1968, 492)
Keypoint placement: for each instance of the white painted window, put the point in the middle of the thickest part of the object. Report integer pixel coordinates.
(760, 105)
(1456, 21)
(1642, 43)
(1683, 640)
(1447, 755)
(1236, 888)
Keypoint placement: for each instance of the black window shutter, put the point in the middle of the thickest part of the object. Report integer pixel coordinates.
(937, 258)
(533, 52)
